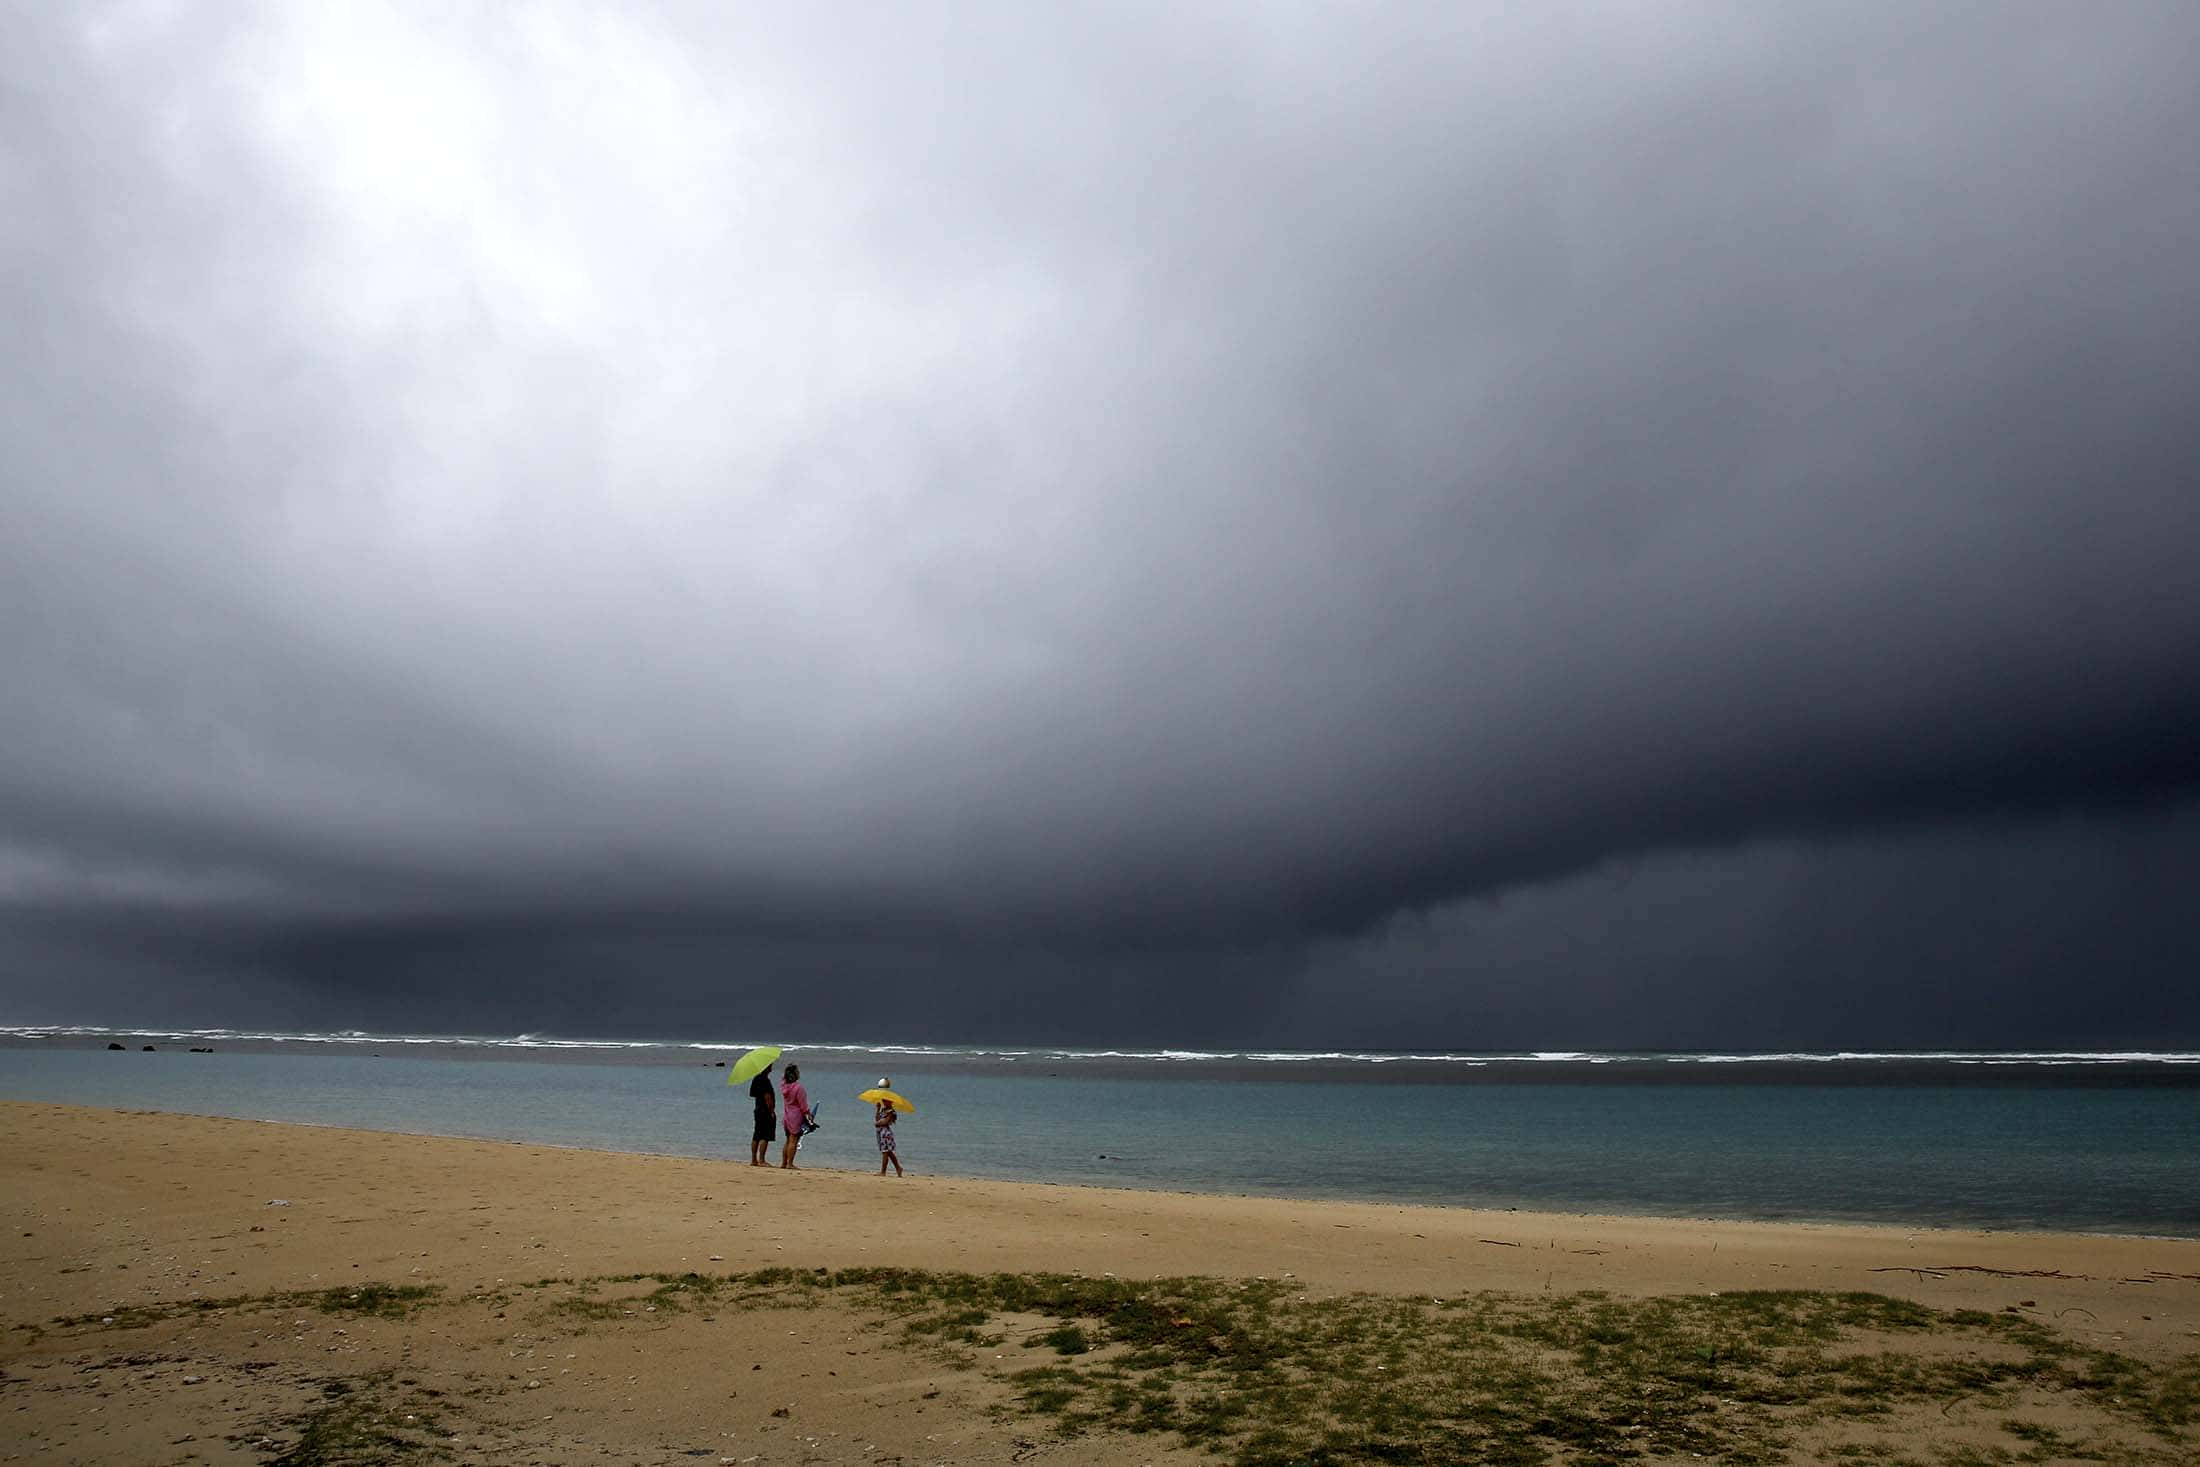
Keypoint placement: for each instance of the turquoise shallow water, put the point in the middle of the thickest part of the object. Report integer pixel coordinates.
(1919, 1143)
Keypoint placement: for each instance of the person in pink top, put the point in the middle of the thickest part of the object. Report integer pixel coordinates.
(794, 1113)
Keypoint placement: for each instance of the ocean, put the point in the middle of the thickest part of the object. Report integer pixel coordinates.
(2094, 1142)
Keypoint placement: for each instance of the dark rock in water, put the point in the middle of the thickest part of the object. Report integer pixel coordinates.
(721, 1064)
(148, 1049)
(202, 1051)
(114, 1046)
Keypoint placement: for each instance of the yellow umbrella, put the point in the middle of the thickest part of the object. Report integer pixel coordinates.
(875, 1096)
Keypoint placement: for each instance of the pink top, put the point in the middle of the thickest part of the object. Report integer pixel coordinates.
(795, 1102)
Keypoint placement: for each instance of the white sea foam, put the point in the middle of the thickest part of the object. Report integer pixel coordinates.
(1065, 1054)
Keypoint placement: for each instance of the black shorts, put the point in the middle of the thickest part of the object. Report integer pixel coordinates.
(794, 1133)
(764, 1122)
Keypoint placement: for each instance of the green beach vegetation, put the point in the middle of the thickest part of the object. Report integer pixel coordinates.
(1259, 1372)
(1262, 1373)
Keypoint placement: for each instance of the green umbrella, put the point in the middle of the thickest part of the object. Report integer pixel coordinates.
(752, 1064)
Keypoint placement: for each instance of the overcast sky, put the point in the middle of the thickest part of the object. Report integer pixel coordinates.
(1560, 525)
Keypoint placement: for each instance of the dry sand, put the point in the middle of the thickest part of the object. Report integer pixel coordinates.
(104, 1210)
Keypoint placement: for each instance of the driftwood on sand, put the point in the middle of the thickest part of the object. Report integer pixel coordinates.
(1942, 1270)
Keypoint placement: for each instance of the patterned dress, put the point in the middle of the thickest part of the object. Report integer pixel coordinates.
(885, 1124)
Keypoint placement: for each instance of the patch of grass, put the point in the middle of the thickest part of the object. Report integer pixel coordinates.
(138, 1316)
(1066, 1339)
(1048, 1390)
(585, 1307)
(1261, 1375)
(1255, 1372)
(2172, 1396)
(380, 1301)
(678, 1292)
(355, 1426)
(2044, 1443)
(966, 1326)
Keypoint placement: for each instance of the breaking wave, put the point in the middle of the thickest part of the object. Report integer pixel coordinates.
(1063, 1054)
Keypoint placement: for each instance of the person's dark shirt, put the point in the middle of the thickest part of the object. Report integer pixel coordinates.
(760, 1091)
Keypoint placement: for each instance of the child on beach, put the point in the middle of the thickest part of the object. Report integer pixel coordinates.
(884, 1121)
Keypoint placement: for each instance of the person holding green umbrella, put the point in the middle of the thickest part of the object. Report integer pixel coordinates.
(756, 1068)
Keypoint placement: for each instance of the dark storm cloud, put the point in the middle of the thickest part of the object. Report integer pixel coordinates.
(1033, 477)
(2072, 932)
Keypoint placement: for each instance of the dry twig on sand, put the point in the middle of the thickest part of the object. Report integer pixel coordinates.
(1942, 1270)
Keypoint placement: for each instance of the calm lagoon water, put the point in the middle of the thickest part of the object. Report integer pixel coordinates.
(2103, 1143)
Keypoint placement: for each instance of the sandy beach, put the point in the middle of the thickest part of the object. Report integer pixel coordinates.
(142, 1219)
